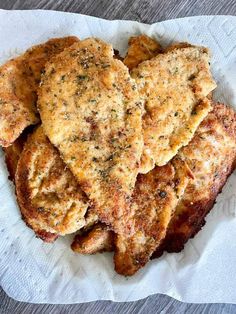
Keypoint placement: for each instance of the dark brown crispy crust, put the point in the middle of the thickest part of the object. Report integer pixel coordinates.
(192, 210)
(193, 220)
(46, 236)
(96, 240)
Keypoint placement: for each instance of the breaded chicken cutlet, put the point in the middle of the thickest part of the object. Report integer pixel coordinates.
(211, 156)
(92, 111)
(141, 48)
(12, 156)
(50, 199)
(174, 87)
(155, 197)
(19, 81)
(97, 239)
(93, 97)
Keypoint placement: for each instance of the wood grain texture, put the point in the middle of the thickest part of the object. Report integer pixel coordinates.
(147, 12)
(140, 10)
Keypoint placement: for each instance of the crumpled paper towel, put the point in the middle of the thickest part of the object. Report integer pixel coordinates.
(51, 273)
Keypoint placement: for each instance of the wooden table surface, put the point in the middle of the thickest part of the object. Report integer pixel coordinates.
(147, 12)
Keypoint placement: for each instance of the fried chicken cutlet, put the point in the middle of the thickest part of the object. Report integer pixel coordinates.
(50, 199)
(141, 48)
(154, 199)
(98, 239)
(211, 156)
(155, 196)
(174, 87)
(93, 97)
(19, 81)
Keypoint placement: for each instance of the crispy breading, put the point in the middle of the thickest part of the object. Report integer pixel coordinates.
(155, 197)
(211, 155)
(141, 48)
(19, 81)
(174, 86)
(12, 154)
(90, 110)
(177, 45)
(49, 197)
(97, 240)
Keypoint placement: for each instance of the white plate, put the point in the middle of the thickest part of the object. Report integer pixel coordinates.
(51, 273)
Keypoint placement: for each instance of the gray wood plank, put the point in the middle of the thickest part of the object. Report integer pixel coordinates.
(153, 304)
(139, 10)
(147, 12)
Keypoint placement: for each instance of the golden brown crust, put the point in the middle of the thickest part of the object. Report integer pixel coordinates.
(49, 197)
(92, 95)
(214, 141)
(97, 240)
(141, 48)
(174, 86)
(12, 154)
(19, 80)
(167, 207)
(211, 156)
(177, 45)
(155, 197)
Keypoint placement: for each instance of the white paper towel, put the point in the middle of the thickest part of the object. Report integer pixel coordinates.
(33, 271)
